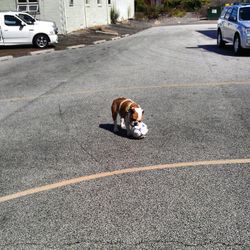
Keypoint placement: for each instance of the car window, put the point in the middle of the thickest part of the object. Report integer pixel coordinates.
(26, 18)
(11, 21)
(244, 14)
(228, 13)
(233, 15)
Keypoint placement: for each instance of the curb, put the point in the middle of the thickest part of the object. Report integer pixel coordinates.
(76, 46)
(115, 38)
(40, 52)
(100, 41)
(5, 58)
(47, 51)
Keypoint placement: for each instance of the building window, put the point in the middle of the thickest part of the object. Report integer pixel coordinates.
(71, 3)
(109, 2)
(31, 6)
(87, 2)
(99, 2)
(23, 8)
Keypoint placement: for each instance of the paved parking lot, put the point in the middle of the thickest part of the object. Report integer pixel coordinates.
(185, 186)
(99, 33)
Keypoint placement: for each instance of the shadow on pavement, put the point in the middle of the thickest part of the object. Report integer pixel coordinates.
(110, 127)
(226, 51)
(20, 50)
(211, 33)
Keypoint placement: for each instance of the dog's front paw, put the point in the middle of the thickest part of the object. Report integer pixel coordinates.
(123, 126)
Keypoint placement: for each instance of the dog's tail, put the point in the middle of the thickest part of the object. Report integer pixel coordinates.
(114, 110)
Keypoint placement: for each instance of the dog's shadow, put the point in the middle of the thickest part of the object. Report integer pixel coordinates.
(110, 127)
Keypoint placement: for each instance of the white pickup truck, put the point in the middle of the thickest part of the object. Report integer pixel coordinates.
(19, 28)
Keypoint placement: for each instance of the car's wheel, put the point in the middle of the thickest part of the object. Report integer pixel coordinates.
(237, 45)
(41, 41)
(220, 42)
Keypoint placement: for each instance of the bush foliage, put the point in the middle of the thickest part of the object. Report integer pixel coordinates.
(114, 14)
(171, 7)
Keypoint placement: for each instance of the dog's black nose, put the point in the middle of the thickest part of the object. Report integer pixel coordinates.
(136, 123)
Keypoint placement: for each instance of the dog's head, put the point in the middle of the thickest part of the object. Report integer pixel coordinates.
(136, 115)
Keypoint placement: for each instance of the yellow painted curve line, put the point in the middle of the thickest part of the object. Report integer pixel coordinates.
(120, 172)
(161, 86)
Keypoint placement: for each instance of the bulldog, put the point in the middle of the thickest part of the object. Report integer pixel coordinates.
(131, 114)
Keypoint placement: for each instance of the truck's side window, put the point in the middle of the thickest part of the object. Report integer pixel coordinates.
(233, 16)
(11, 21)
(223, 12)
(26, 18)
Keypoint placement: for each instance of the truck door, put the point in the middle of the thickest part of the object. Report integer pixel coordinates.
(14, 32)
(226, 24)
(232, 24)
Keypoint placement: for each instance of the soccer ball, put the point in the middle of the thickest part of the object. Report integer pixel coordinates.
(139, 131)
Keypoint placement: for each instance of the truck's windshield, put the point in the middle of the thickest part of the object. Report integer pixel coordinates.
(244, 14)
(26, 18)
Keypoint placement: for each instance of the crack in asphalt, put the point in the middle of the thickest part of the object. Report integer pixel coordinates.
(120, 243)
(209, 243)
(16, 244)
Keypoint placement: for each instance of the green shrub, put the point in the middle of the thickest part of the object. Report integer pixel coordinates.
(177, 12)
(192, 4)
(176, 8)
(114, 14)
(153, 11)
(171, 3)
(140, 6)
(188, 5)
(149, 11)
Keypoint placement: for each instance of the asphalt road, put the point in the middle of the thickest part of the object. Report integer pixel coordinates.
(55, 125)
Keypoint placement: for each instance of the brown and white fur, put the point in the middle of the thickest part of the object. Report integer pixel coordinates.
(131, 113)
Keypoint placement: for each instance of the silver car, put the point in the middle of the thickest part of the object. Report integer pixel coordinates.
(234, 27)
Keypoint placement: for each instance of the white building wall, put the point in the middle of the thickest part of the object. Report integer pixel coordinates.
(7, 5)
(53, 11)
(96, 14)
(125, 8)
(109, 9)
(75, 16)
(131, 8)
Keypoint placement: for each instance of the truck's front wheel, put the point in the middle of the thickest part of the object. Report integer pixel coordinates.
(41, 41)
